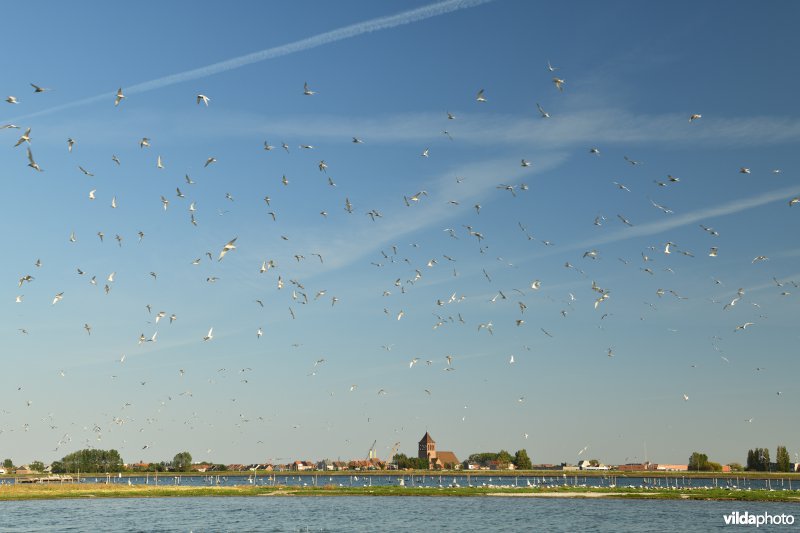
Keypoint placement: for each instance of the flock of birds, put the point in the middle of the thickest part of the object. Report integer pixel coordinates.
(523, 297)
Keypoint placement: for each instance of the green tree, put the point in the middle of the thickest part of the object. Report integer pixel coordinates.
(415, 463)
(594, 462)
(504, 458)
(758, 459)
(37, 466)
(698, 461)
(401, 460)
(736, 467)
(521, 460)
(8, 464)
(482, 459)
(420, 463)
(762, 455)
(90, 460)
(182, 462)
(782, 459)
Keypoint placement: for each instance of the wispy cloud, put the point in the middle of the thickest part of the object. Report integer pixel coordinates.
(353, 240)
(578, 127)
(339, 34)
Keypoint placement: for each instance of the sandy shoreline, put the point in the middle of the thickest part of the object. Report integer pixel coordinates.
(563, 494)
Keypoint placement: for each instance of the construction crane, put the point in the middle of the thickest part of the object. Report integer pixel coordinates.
(371, 452)
(390, 458)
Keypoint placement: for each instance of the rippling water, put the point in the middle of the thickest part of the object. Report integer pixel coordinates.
(367, 514)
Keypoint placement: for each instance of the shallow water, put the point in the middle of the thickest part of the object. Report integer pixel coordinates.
(462, 480)
(366, 514)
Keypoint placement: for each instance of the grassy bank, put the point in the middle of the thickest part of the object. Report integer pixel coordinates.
(89, 490)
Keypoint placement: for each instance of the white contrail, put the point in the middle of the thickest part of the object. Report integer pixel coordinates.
(671, 222)
(347, 32)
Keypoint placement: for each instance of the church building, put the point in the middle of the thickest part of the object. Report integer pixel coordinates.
(436, 459)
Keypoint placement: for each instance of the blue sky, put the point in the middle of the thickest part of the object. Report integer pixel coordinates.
(633, 75)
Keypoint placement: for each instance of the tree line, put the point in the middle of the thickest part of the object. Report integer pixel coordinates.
(109, 461)
(501, 459)
(758, 460)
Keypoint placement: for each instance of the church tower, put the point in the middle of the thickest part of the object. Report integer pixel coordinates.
(427, 448)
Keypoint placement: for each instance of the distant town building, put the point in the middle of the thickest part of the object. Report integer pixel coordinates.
(587, 465)
(500, 465)
(549, 466)
(672, 468)
(302, 465)
(634, 467)
(24, 469)
(436, 459)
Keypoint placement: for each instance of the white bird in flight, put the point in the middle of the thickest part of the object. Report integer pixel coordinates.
(227, 248)
(542, 112)
(33, 164)
(203, 98)
(119, 97)
(25, 137)
(210, 335)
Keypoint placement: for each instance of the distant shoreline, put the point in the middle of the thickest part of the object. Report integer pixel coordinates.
(102, 490)
(437, 473)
